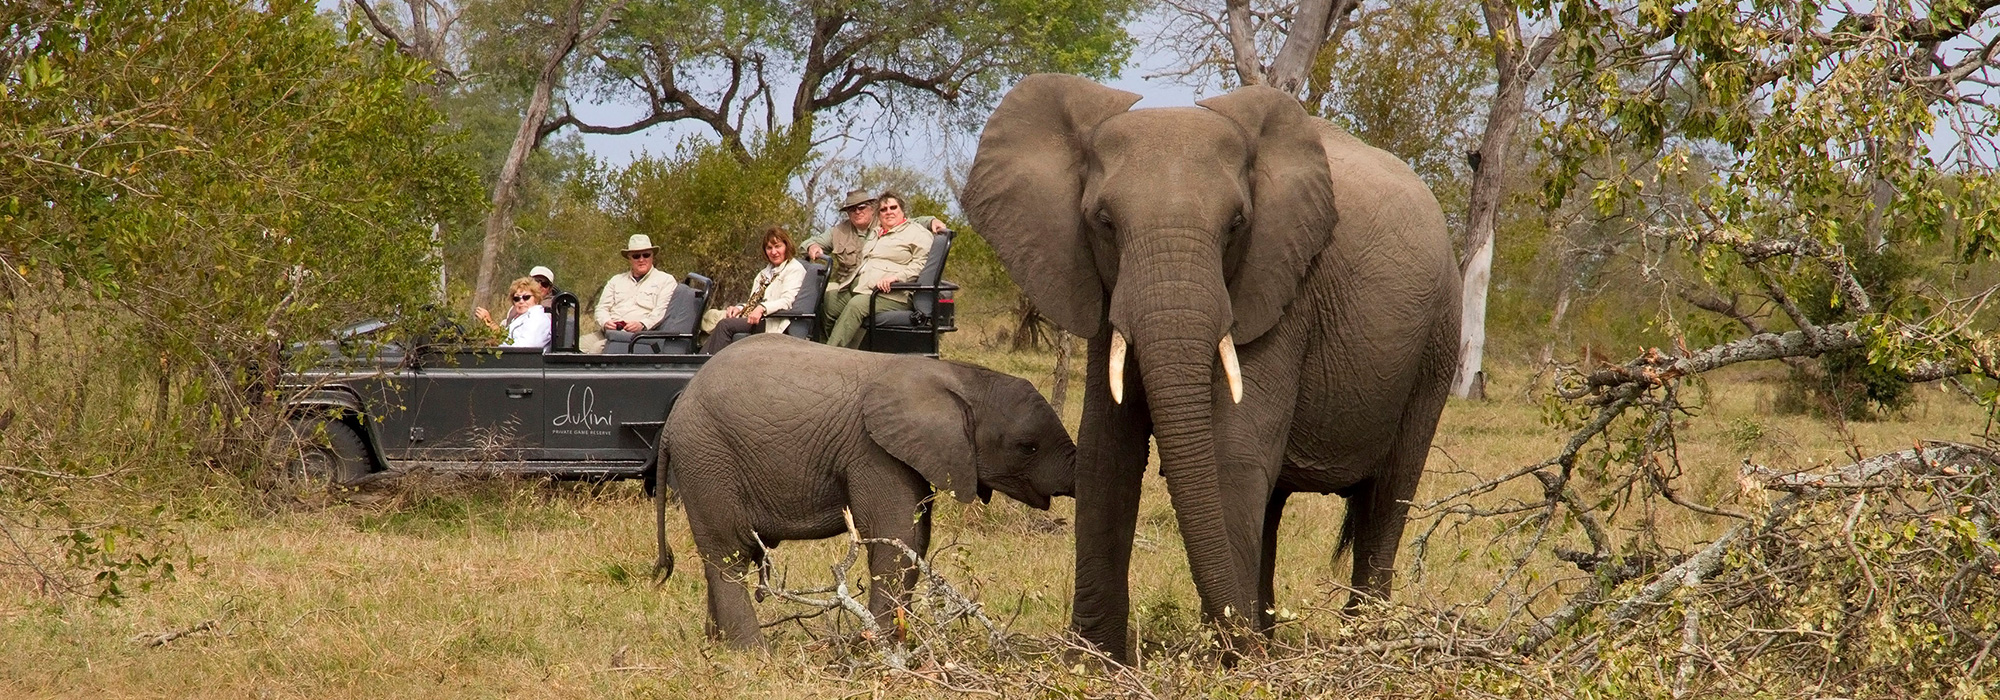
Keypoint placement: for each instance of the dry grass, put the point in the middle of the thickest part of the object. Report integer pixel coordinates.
(501, 588)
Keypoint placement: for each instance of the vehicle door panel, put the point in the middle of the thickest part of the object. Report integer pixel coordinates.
(476, 406)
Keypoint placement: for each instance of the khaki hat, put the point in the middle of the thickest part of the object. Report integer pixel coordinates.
(856, 198)
(544, 273)
(636, 243)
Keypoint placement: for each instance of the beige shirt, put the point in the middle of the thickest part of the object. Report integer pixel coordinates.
(899, 253)
(843, 244)
(643, 300)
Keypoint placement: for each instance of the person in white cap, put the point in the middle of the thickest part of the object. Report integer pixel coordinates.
(546, 277)
(637, 301)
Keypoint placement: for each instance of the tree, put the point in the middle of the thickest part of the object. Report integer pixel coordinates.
(749, 67)
(1422, 114)
(707, 208)
(1805, 117)
(732, 64)
(1228, 47)
(1515, 62)
(559, 36)
(166, 231)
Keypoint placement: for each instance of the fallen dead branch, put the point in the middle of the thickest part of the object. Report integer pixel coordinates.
(162, 639)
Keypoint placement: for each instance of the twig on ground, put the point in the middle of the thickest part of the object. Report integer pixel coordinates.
(157, 640)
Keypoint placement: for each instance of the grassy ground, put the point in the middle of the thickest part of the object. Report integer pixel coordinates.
(524, 588)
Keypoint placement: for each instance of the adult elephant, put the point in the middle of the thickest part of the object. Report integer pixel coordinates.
(1286, 294)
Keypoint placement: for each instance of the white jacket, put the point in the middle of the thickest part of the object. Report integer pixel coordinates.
(780, 285)
(529, 330)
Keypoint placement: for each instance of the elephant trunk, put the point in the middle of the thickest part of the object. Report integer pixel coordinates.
(1175, 311)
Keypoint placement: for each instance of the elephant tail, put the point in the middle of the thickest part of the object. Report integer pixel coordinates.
(663, 566)
(1350, 523)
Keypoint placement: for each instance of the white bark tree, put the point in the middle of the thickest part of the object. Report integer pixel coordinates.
(1515, 63)
(571, 33)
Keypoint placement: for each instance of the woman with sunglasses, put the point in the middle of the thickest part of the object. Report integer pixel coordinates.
(527, 322)
(895, 252)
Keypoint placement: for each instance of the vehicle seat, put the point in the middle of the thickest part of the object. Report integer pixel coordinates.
(675, 333)
(804, 313)
(916, 329)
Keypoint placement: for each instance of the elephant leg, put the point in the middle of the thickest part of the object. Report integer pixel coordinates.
(1378, 510)
(1267, 566)
(1250, 450)
(731, 617)
(1110, 465)
(891, 574)
(891, 508)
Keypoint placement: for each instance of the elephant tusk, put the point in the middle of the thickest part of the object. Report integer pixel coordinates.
(1117, 367)
(1227, 348)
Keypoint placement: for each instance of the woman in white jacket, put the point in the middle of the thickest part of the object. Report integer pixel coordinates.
(527, 322)
(774, 290)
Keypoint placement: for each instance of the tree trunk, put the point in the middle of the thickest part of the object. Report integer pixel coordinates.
(1243, 43)
(501, 218)
(1313, 23)
(1547, 358)
(1513, 69)
(1472, 322)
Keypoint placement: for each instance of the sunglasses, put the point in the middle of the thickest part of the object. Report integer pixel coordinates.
(892, 207)
(639, 256)
(523, 297)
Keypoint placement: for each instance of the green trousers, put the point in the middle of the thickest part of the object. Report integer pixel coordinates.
(847, 309)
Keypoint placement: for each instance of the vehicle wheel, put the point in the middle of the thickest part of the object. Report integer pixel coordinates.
(339, 457)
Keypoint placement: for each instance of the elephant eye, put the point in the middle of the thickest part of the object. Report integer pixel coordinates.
(1239, 222)
(1028, 448)
(1104, 218)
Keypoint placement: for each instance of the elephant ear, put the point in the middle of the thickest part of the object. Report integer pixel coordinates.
(1025, 192)
(1291, 210)
(922, 418)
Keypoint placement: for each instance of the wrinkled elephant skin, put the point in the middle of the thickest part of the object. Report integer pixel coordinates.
(1276, 302)
(775, 436)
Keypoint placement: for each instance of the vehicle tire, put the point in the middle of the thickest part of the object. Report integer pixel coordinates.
(339, 457)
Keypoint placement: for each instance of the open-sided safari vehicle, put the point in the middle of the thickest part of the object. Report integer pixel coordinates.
(371, 404)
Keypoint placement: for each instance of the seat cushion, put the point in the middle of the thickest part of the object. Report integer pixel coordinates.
(903, 317)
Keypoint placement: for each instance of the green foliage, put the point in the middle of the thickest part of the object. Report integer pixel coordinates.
(185, 186)
(1847, 384)
(706, 208)
(295, 175)
(1424, 112)
(1822, 159)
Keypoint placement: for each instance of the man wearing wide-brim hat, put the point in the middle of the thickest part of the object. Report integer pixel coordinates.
(634, 301)
(846, 238)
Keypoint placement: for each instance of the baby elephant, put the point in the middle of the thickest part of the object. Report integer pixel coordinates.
(776, 435)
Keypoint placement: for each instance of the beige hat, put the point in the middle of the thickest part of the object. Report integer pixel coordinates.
(636, 243)
(856, 198)
(543, 272)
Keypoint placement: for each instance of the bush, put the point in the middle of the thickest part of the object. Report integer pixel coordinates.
(167, 230)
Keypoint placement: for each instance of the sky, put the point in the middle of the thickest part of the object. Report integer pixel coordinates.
(936, 147)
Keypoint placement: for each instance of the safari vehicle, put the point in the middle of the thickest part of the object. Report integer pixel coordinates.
(371, 405)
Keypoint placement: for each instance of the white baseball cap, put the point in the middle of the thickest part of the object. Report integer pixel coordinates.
(544, 273)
